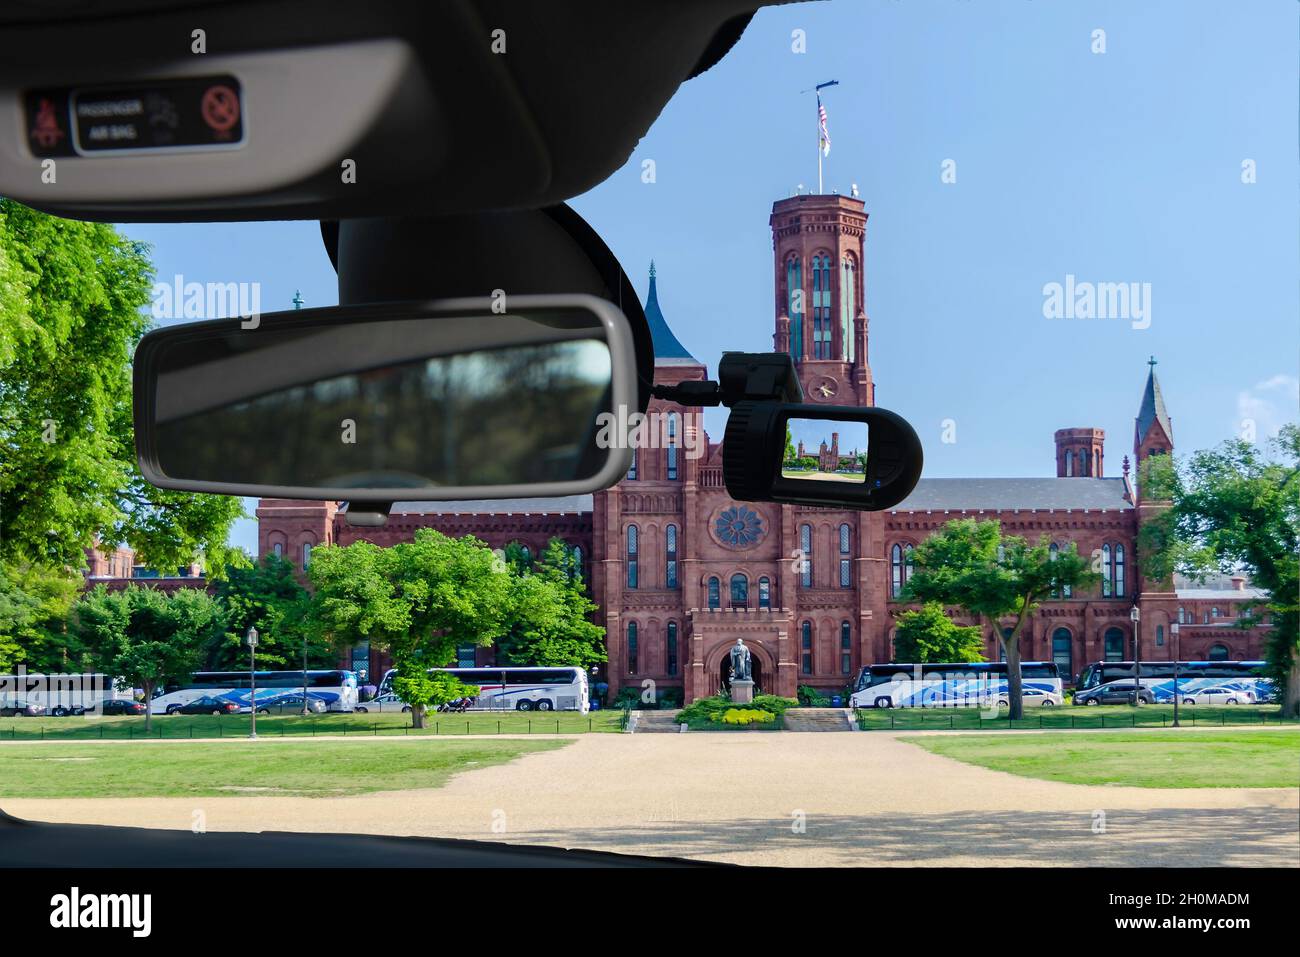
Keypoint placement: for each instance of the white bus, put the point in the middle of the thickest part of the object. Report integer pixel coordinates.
(337, 689)
(954, 685)
(1199, 682)
(60, 694)
(510, 688)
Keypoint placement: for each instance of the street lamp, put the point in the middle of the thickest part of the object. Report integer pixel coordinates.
(1135, 615)
(305, 712)
(251, 639)
(1173, 631)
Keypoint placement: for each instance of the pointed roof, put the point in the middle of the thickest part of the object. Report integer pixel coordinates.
(667, 347)
(1153, 407)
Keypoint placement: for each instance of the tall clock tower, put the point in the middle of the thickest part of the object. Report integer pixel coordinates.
(821, 319)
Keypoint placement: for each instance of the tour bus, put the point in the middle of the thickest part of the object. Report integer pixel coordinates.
(61, 694)
(1197, 680)
(336, 688)
(953, 685)
(520, 689)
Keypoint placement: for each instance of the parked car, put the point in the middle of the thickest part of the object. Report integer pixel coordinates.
(205, 705)
(383, 703)
(21, 709)
(1218, 695)
(1114, 694)
(1037, 698)
(291, 704)
(111, 706)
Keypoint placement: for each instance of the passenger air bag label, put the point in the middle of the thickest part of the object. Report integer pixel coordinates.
(190, 113)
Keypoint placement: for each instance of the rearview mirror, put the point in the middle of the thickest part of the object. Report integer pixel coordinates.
(404, 401)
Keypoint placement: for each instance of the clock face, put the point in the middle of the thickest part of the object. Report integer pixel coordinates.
(825, 388)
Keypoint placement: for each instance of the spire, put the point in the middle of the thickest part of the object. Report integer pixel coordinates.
(666, 345)
(1153, 407)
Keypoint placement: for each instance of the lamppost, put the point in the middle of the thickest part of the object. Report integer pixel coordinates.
(1173, 632)
(1135, 615)
(305, 712)
(251, 639)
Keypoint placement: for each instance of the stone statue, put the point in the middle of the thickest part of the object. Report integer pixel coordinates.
(740, 661)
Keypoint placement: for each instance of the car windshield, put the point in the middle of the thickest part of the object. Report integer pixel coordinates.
(1065, 251)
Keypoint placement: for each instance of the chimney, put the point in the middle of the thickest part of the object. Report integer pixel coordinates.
(1238, 583)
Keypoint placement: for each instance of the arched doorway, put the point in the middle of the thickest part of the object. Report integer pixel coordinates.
(755, 667)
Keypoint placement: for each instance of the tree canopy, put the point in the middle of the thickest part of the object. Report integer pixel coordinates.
(71, 312)
(929, 635)
(994, 577)
(1236, 508)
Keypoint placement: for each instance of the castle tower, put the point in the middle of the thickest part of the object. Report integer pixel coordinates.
(818, 243)
(1080, 453)
(1153, 432)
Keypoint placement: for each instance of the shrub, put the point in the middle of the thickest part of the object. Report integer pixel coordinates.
(713, 710)
(746, 716)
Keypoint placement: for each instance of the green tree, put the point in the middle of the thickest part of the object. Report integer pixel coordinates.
(928, 635)
(419, 599)
(34, 605)
(71, 300)
(550, 615)
(266, 596)
(146, 636)
(788, 457)
(1236, 508)
(972, 565)
(423, 689)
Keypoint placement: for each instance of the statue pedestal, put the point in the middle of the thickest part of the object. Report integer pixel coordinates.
(742, 692)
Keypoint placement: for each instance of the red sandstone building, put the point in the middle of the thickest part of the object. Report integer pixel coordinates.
(680, 570)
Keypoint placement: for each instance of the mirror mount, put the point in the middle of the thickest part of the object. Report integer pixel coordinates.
(367, 514)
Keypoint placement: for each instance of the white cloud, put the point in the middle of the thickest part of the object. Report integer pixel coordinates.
(1267, 406)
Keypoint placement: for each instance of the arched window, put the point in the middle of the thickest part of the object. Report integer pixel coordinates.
(846, 566)
(670, 647)
(895, 570)
(822, 335)
(1069, 464)
(1214, 613)
(764, 593)
(306, 554)
(278, 550)
(670, 453)
(1083, 463)
(631, 469)
(1096, 462)
(1119, 571)
(1107, 570)
(739, 591)
(805, 547)
(1053, 551)
(1114, 644)
(848, 303)
(631, 648)
(575, 562)
(670, 565)
(794, 304)
(806, 648)
(846, 647)
(1182, 615)
(632, 536)
(1160, 635)
(715, 589)
(1218, 653)
(1062, 653)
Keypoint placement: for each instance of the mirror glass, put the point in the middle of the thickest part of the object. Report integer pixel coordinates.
(825, 450)
(483, 400)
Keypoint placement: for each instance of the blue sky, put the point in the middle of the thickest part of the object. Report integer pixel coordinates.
(1122, 166)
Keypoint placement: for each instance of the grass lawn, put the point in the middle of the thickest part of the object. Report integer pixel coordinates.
(207, 726)
(1149, 759)
(1069, 716)
(270, 768)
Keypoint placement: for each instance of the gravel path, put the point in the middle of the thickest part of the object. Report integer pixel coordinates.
(784, 799)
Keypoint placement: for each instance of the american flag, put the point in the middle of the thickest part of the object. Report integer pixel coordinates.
(824, 139)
